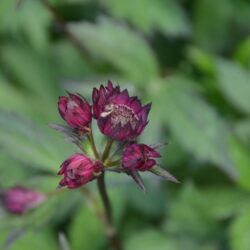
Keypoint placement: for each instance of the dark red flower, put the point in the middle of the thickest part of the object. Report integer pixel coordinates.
(19, 200)
(139, 157)
(118, 115)
(78, 170)
(76, 111)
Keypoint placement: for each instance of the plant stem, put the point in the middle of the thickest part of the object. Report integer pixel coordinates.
(92, 142)
(113, 163)
(109, 226)
(70, 35)
(107, 149)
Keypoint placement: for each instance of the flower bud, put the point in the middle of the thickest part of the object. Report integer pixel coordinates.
(78, 170)
(139, 157)
(18, 200)
(76, 111)
(118, 115)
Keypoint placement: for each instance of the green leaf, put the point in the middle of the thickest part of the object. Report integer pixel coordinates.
(241, 157)
(29, 143)
(148, 203)
(150, 239)
(233, 82)
(242, 53)
(242, 130)
(194, 123)
(212, 24)
(224, 202)
(153, 239)
(35, 74)
(126, 50)
(31, 240)
(189, 216)
(167, 16)
(86, 231)
(240, 232)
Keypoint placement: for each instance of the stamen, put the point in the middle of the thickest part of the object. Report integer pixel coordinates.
(121, 114)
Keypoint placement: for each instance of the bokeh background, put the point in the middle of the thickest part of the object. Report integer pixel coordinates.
(191, 58)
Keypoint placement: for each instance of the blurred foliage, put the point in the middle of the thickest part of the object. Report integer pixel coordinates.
(191, 58)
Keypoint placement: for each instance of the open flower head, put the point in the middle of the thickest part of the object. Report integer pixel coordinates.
(78, 170)
(139, 157)
(18, 200)
(118, 115)
(76, 111)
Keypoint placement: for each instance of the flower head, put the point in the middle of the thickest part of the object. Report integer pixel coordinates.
(19, 200)
(76, 111)
(78, 170)
(139, 157)
(118, 115)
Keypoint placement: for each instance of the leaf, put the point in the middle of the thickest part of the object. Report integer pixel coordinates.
(133, 58)
(36, 75)
(157, 170)
(86, 231)
(240, 232)
(194, 124)
(153, 239)
(30, 143)
(150, 204)
(212, 24)
(167, 16)
(242, 130)
(224, 202)
(31, 240)
(241, 157)
(233, 82)
(150, 239)
(189, 216)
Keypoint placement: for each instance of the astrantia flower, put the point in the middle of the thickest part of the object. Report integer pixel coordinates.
(119, 116)
(19, 200)
(139, 157)
(78, 170)
(76, 111)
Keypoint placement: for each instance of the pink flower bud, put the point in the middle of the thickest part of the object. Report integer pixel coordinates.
(78, 170)
(119, 116)
(19, 200)
(76, 111)
(139, 157)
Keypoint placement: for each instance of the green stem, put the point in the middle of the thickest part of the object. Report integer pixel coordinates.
(92, 143)
(113, 163)
(107, 149)
(109, 226)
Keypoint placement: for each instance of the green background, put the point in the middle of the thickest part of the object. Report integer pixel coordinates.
(191, 58)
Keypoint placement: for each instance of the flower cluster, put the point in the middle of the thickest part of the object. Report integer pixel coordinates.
(121, 119)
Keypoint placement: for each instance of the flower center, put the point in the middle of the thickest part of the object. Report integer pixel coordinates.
(120, 114)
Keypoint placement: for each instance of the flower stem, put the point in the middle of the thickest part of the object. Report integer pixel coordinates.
(113, 163)
(109, 226)
(92, 142)
(107, 149)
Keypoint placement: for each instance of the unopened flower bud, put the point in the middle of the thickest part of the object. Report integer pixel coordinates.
(78, 170)
(76, 111)
(139, 157)
(18, 200)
